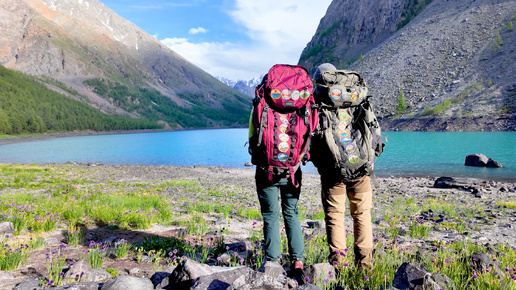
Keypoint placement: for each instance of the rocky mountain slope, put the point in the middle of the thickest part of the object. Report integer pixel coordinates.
(74, 41)
(453, 62)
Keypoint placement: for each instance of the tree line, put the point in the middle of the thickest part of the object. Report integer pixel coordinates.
(27, 106)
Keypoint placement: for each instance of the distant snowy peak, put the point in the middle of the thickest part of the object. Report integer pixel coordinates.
(245, 87)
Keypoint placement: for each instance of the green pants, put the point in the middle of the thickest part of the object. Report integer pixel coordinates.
(268, 195)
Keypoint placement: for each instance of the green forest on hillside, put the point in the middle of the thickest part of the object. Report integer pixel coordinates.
(27, 106)
(154, 106)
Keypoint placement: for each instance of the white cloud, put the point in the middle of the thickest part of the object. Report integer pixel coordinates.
(197, 30)
(277, 30)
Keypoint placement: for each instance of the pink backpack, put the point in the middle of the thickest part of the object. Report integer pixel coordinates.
(284, 119)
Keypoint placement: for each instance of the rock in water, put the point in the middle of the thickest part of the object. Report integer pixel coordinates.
(493, 163)
(481, 160)
(476, 160)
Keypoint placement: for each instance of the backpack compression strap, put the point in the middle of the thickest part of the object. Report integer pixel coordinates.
(262, 123)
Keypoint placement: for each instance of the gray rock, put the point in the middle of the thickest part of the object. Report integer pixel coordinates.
(160, 279)
(28, 284)
(83, 272)
(476, 160)
(409, 276)
(187, 271)
(315, 224)
(256, 280)
(308, 287)
(6, 228)
(134, 271)
(318, 273)
(272, 269)
(219, 280)
(437, 282)
(78, 286)
(6, 275)
(493, 163)
(445, 182)
(128, 283)
(483, 263)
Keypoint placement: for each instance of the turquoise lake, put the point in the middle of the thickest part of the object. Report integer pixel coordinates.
(432, 154)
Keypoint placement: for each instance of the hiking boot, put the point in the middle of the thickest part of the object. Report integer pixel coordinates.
(364, 258)
(298, 266)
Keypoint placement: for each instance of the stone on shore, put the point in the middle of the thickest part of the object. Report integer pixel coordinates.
(128, 283)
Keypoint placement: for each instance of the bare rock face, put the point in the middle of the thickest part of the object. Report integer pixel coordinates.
(453, 61)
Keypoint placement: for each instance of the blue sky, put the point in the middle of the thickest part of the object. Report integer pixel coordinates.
(235, 39)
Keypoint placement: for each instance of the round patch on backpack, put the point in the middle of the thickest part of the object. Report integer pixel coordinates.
(283, 128)
(283, 147)
(353, 159)
(295, 95)
(285, 94)
(343, 124)
(354, 96)
(304, 94)
(284, 120)
(282, 157)
(362, 96)
(346, 140)
(346, 96)
(335, 94)
(275, 94)
(284, 137)
(343, 114)
(351, 149)
(344, 133)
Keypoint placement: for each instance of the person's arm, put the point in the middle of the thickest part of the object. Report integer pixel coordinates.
(251, 127)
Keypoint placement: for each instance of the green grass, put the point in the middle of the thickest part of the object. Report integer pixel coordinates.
(507, 204)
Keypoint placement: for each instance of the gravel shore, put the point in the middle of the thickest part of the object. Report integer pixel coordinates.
(494, 223)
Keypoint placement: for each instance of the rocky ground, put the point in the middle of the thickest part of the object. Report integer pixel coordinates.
(489, 223)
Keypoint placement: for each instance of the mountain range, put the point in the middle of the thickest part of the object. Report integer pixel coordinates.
(431, 65)
(245, 87)
(111, 64)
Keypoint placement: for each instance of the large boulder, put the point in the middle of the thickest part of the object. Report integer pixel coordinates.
(481, 160)
(219, 280)
(476, 160)
(189, 270)
(320, 274)
(414, 276)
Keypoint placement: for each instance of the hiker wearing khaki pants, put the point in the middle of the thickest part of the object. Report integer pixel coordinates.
(343, 149)
(334, 193)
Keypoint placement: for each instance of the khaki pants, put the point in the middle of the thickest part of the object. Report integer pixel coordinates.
(360, 196)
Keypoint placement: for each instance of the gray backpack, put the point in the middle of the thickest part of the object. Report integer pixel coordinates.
(348, 137)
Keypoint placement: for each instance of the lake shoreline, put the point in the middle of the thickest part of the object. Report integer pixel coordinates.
(9, 139)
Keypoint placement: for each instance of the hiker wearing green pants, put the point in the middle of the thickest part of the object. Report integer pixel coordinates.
(280, 128)
(268, 195)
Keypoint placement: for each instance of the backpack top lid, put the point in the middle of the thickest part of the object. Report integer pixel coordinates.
(340, 88)
(286, 87)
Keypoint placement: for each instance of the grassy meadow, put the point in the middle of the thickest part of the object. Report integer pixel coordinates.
(41, 199)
